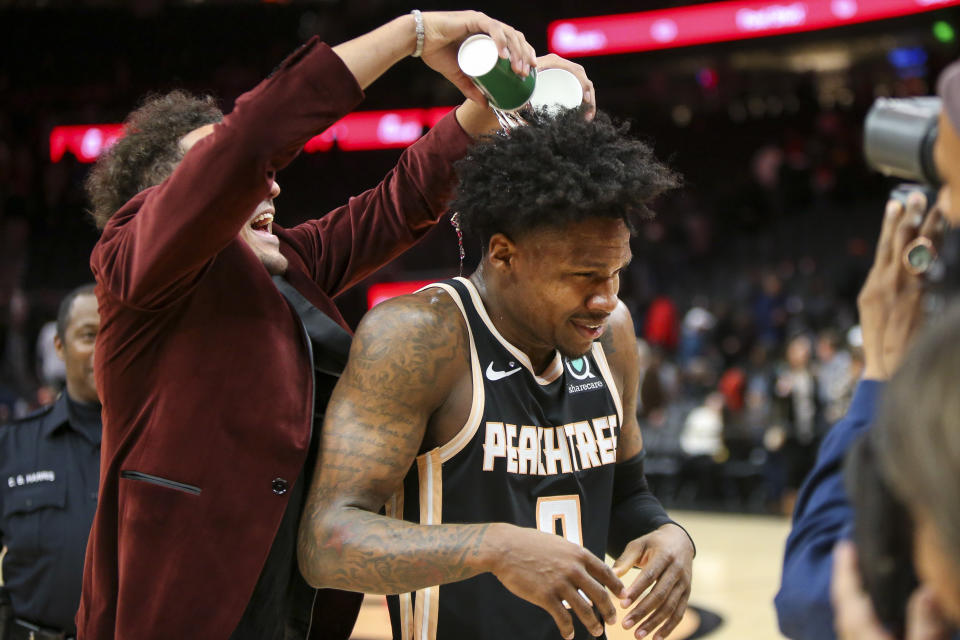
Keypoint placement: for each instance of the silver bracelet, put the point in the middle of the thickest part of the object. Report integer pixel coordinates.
(418, 17)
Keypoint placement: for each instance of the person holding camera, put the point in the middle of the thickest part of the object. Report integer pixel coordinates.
(914, 452)
(890, 314)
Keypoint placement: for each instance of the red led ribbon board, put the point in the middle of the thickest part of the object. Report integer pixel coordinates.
(358, 131)
(379, 292)
(85, 142)
(719, 22)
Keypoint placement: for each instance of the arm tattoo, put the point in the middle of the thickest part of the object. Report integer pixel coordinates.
(405, 356)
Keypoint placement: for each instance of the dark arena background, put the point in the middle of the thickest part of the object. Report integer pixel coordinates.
(744, 283)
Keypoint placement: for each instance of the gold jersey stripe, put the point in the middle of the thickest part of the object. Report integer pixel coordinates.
(430, 477)
(394, 509)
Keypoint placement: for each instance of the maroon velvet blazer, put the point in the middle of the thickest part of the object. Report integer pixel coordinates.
(204, 376)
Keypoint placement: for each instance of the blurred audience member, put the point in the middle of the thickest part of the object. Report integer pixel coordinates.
(797, 414)
(50, 367)
(50, 465)
(661, 326)
(833, 371)
(694, 332)
(703, 430)
(769, 309)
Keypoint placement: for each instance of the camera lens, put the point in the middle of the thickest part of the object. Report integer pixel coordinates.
(898, 138)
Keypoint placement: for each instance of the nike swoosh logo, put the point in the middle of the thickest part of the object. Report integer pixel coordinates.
(493, 375)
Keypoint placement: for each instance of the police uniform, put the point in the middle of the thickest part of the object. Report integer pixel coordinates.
(49, 467)
(536, 451)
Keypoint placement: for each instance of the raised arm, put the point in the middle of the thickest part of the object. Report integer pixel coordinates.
(641, 533)
(369, 55)
(151, 258)
(406, 356)
(155, 247)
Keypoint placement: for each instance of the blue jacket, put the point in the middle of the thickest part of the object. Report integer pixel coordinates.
(823, 515)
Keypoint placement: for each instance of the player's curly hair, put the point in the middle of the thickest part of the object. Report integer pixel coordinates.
(148, 152)
(554, 171)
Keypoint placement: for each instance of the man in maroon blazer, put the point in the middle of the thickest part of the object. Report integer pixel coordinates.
(219, 339)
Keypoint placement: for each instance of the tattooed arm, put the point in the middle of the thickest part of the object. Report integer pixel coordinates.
(666, 554)
(407, 356)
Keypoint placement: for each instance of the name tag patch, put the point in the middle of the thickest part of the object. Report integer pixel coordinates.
(23, 479)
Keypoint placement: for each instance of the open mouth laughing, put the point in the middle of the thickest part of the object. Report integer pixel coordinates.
(262, 223)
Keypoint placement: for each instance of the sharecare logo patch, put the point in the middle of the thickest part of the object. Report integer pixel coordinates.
(579, 368)
(586, 386)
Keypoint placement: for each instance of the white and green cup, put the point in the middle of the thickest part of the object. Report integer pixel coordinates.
(556, 90)
(479, 59)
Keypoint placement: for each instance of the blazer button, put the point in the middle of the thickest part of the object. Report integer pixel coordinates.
(280, 486)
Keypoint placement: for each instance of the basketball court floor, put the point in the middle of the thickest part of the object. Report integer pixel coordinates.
(735, 576)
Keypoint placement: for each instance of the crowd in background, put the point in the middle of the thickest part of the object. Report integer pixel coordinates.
(745, 305)
(743, 288)
(744, 297)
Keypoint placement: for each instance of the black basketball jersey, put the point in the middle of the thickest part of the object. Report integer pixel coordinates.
(536, 451)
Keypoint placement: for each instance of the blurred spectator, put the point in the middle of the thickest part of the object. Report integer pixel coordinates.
(797, 413)
(51, 368)
(833, 375)
(769, 309)
(703, 429)
(50, 461)
(733, 387)
(661, 326)
(695, 332)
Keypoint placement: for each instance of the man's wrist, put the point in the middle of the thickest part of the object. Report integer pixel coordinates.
(488, 553)
(476, 119)
(874, 372)
(419, 33)
(407, 25)
(693, 545)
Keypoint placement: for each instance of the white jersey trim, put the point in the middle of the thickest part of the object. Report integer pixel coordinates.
(601, 359)
(552, 373)
(430, 479)
(456, 444)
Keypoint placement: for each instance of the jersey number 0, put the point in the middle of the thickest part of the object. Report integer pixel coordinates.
(564, 510)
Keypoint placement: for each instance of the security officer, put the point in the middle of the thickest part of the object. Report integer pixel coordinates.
(49, 474)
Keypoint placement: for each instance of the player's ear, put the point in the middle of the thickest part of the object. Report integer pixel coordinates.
(501, 251)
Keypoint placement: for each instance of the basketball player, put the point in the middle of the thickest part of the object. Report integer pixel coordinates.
(493, 412)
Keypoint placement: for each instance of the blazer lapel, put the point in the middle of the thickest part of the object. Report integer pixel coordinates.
(331, 341)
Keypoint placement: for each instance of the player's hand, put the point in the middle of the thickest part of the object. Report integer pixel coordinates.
(444, 31)
(553, 61)
(548, 570)
(854, 616)
(665, 559)
(890, 301)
